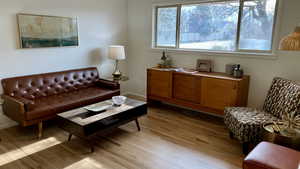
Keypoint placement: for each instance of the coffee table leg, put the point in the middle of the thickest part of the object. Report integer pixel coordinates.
(92, 149)
(70, 137)
(91, 144)
(137, 124)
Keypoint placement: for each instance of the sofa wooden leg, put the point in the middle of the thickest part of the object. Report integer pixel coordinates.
(245, 148)
(40, 126)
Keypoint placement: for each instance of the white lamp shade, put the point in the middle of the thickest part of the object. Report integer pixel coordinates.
(117, 52)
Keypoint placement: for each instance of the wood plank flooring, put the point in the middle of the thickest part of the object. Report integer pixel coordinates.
(171, 138)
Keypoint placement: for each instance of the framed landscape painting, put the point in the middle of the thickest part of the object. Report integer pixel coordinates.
(39, 31)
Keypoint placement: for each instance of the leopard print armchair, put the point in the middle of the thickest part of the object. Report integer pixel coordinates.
(245, 123)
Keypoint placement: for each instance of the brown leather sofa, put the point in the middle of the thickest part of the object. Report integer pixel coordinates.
(270, 156)
(33, 99)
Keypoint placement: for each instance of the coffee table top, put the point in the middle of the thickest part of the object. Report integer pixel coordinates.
(82, 116)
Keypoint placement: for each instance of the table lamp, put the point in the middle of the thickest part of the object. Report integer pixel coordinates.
(117, 53)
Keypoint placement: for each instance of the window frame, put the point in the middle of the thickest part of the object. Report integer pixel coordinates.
(177, 26)
(237, 42)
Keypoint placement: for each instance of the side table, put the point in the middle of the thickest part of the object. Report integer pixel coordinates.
(122, 78)
(280, 138)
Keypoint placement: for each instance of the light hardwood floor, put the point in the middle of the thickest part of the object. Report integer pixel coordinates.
(171, 138)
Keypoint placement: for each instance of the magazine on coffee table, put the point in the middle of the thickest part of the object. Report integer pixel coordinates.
(99, 107)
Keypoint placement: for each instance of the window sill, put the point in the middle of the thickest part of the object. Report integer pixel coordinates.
(268, 56)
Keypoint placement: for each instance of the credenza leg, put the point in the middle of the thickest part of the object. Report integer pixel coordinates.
(137, 124)
(70, 137)
(40, 128)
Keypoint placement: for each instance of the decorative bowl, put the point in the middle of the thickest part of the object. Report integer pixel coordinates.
(119, 100)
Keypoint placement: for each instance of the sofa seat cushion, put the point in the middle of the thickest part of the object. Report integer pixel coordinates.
(52, 105)
(246, 123)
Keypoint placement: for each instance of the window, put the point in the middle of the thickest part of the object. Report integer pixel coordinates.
(166, 26)
(245, 25)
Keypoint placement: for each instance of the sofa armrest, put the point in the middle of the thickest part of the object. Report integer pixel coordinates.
(19, 104)
(108, 84)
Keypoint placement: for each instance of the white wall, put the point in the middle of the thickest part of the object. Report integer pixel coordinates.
(101, 23)
(261, 70)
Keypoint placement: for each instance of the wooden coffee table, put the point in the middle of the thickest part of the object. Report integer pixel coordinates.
(84, 124)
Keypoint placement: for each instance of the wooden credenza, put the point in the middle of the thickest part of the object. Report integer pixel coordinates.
(206, 92)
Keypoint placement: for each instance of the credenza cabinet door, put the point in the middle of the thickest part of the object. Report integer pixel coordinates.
(206, 92)
(218, 93)
(160, 83)
(187, 87)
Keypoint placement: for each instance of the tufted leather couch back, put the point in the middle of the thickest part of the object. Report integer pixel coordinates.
(42, 85)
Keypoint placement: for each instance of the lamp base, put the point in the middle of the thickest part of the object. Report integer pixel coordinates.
(117, 75)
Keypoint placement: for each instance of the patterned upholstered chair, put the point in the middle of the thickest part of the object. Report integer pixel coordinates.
(245, 123)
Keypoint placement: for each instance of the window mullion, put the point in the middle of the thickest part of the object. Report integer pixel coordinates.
(178, 24)
(238, 32)
(155, 29)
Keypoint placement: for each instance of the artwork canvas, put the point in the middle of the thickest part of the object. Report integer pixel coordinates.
(38, 31)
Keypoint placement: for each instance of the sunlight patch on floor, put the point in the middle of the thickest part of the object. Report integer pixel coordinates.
(27, 150)
(86, 163)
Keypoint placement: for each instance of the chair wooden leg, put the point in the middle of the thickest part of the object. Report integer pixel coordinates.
(40, 126)
(231, 135)
(245, 148)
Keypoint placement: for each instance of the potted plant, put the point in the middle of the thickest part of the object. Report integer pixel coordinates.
(291, 123)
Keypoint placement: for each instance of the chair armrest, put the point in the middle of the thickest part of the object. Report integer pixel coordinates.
(19, 104)
(108, 84)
